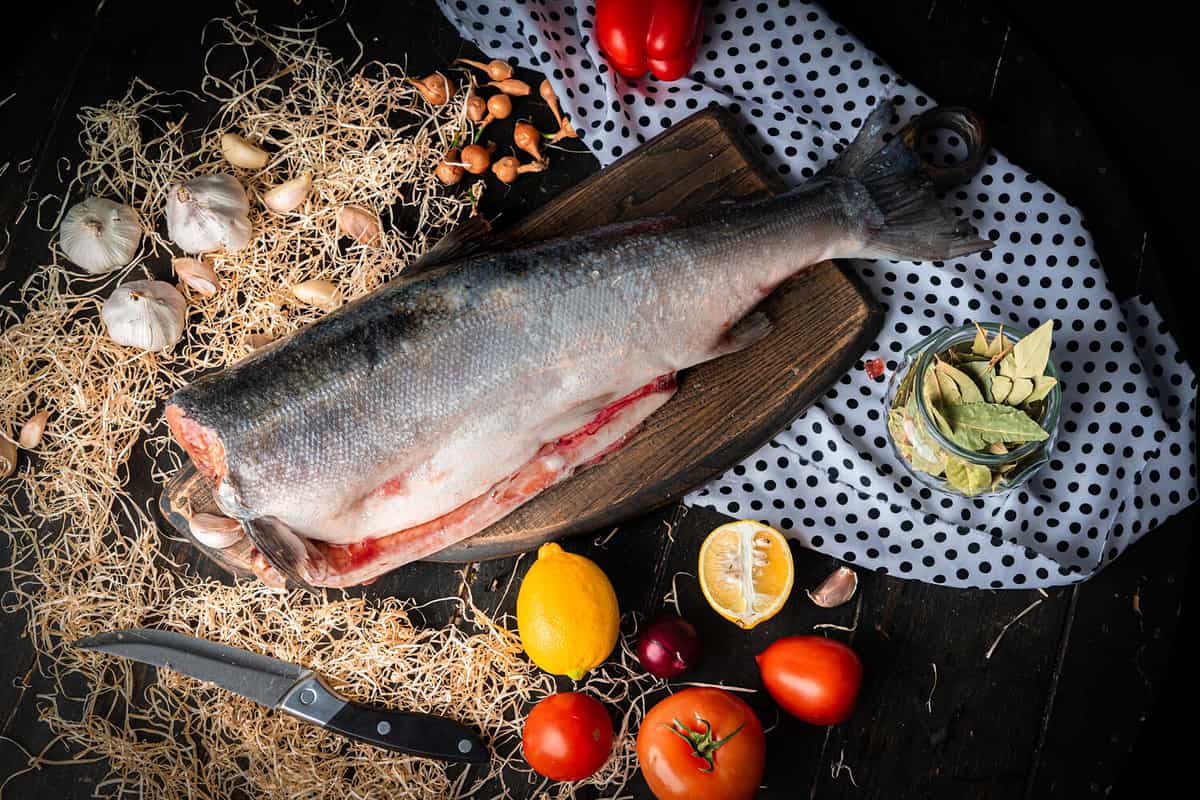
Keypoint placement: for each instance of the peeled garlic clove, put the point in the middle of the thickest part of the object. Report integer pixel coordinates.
(239, 152)
(8, 454)
(99, 235)
(288, 195)
(322, 294)
(144, 314)
(208, 213)
(197, 276)
(32, 430)
(359, 224)
(836, 589)
(214, 530)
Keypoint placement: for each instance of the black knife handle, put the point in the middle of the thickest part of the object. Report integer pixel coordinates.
(416, 734)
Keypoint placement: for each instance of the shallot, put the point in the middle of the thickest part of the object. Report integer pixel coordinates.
(512, 86)
(508, 168)
(448, 170)
(476, 158)
(496, 69)
(529, 139)
(437, 89)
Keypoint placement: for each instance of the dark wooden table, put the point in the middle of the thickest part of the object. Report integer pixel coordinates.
(1058, 709)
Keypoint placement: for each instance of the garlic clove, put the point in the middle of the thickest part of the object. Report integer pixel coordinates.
(257, 341)
(145, 314)
(197, 276)
(239, 152)
(32, 430)
(99, 235)
(214, 530)
(836, 589)
(8, 454)
(288, 195)
(319, 293)
(359, 224)
(208, 213)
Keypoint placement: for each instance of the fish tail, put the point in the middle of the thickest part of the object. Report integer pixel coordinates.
(904, 219)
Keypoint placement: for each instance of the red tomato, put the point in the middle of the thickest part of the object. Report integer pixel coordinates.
(567, 736)
(811, 677)
(702, 742)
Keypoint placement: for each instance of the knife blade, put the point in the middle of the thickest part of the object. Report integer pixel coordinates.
(294, 690)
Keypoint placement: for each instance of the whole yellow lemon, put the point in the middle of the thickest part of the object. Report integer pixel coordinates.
(567, 613)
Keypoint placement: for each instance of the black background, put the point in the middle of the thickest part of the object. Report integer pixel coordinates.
(1131, 70)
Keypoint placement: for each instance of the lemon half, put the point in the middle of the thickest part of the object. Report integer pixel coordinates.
(746, 572)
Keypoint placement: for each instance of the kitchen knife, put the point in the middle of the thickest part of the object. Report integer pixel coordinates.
(294, 689)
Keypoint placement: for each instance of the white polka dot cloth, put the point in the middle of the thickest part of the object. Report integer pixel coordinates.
(1125, 456)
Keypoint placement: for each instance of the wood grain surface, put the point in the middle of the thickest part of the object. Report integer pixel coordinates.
(724, 409)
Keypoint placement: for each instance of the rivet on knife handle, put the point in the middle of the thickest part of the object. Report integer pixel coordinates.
(416, 734)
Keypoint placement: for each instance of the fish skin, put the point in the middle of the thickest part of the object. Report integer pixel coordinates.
(415, 400)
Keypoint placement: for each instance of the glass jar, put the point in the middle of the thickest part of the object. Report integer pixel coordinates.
(1018, 465)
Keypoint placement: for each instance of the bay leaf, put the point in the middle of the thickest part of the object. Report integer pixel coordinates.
(997, 449)
(1031, 354)
(968, 390)
(926, 456)
(966, 478)
(1022, 388)
(933, 394)
(905, 387)
(1000, 388)
(997, 344)
(948, 389)
(985, 423)
(1042, 385)
(1007, 367)
(895, 425)
(980, 346)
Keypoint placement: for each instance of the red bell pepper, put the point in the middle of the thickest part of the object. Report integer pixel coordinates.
(661, 35)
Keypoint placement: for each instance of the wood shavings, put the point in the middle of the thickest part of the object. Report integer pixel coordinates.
(932, 689)
(86, 556)
(840, 766)
(672, 596)
(1009, 624)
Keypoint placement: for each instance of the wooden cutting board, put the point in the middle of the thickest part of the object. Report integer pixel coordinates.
(724, 409)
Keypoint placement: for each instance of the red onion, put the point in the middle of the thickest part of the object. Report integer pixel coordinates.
(668, 646)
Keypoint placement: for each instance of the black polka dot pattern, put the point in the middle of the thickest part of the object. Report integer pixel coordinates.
(800, 86)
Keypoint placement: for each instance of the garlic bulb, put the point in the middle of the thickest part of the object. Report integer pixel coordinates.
(208, 213)
(196, 275)
(145, 314)
(240, 153)
(100, 235)
(288, 195)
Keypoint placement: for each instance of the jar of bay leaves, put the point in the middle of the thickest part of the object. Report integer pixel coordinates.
(973, 411)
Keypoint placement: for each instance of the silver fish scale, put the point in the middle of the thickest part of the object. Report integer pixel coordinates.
(496, 347)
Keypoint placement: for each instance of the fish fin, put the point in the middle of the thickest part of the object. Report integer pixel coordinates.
(748, 330)
(904, 219)
(287, 552)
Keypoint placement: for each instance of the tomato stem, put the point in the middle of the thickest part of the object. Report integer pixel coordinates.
(703, 744)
